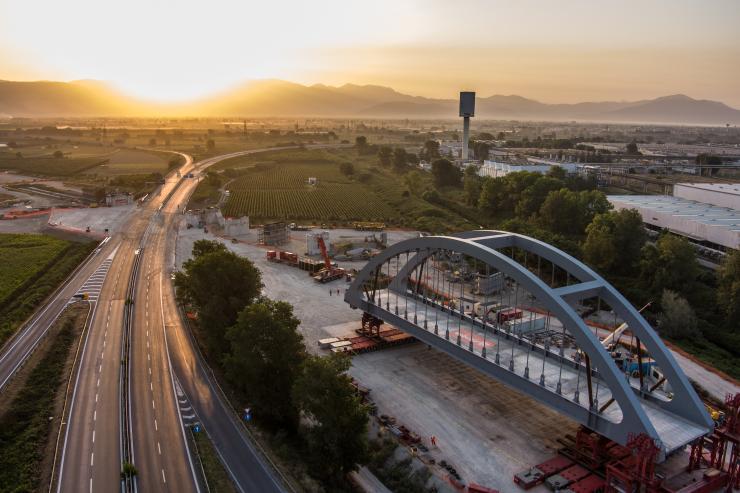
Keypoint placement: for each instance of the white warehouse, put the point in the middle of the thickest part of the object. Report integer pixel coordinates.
(497, 169)
(706, 213)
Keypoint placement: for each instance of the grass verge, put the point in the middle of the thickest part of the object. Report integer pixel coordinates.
(31, 403)
(216, 476)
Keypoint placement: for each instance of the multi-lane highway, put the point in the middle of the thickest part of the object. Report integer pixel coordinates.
(128, 280)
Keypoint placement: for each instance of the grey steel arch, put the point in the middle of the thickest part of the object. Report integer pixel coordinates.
(674, 422)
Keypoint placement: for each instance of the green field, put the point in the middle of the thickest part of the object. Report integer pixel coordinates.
(273, 185)
(31, 267)
(281, 191)
(49, 166)
(127, 161)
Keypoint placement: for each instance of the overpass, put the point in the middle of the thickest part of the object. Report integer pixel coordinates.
(522, 312)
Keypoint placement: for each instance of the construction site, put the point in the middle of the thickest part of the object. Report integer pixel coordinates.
(485, 380)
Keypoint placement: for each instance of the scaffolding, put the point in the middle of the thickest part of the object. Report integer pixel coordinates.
(273, 234)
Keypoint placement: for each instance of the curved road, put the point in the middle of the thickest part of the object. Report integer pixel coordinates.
(162, 359)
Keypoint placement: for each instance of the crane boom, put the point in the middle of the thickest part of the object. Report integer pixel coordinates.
(324, 252)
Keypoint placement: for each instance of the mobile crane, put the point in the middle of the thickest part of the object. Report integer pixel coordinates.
(329, 272)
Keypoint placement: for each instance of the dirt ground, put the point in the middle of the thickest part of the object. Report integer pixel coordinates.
(487, 431)
(322, 312)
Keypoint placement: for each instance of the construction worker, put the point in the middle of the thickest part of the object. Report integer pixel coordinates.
(433, 439)
(330, 292)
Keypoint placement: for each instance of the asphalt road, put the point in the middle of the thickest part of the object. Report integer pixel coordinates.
(246, 467)
(91, 449)
(17, 349)
(90, 453)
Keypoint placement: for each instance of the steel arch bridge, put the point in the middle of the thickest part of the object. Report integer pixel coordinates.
(519, 310)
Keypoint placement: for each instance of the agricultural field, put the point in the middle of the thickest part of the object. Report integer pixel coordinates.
(282, 191)
(131, 162)
(49, 166)
(273, 185)
(31, 266)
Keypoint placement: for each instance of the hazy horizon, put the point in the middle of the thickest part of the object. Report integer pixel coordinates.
(552, 52)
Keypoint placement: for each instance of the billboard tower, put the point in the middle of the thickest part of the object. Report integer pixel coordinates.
(467, 109)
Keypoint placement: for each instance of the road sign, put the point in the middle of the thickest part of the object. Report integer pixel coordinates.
(196, 428)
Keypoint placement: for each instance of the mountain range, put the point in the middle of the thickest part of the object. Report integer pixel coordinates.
(279, 98)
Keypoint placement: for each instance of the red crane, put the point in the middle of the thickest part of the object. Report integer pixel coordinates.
(329, 272)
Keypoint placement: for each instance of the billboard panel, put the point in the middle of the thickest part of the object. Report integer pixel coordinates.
(467, 103)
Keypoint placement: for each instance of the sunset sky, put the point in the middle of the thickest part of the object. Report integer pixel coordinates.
(553, 51)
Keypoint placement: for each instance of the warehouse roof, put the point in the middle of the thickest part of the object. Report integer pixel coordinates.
(711, 215)
(730, 188)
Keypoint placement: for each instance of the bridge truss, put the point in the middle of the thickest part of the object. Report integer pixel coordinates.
(527, 314)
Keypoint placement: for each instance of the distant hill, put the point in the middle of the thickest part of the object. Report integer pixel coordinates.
(46, 98)
(282, 98)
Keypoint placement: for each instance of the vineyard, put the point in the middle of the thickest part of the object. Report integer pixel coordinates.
(282, 192)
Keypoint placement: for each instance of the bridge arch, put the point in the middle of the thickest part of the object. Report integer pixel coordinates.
(674, 418)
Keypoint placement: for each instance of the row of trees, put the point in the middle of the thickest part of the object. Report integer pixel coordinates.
(256, 343)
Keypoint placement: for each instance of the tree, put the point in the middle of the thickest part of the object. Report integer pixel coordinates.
(632, 149)
(337, 434)
(677, 319)
(210, 145)
(204, 247)
(265, 358)
(445, 173)
(430, 150)
(58, 154)
(360, 142)
(347, 169)
(492, 195)
(557, 172)
(385, 154)
(152, 142)
(567, 212)
(218, 284)
(614, 241)
(472, 184)
(481, 150)
(400, 159)
(728, 291)
(669, 264)
(532, 197)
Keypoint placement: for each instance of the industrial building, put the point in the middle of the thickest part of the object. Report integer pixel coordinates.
(496, 169)
(705, 213)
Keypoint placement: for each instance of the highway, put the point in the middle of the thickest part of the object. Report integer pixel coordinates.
(161, 352)
(92, 447)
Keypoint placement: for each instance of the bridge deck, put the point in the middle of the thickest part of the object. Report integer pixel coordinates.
(548, 366)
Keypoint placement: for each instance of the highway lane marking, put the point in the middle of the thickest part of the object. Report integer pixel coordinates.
(100, 367)
(93, 435)
(96, 397)
(159, 448)
(92, 458)
(163, 478)
(90, 485)
(95, 415)
(98, 382)
(152, 403)
(155, 424)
